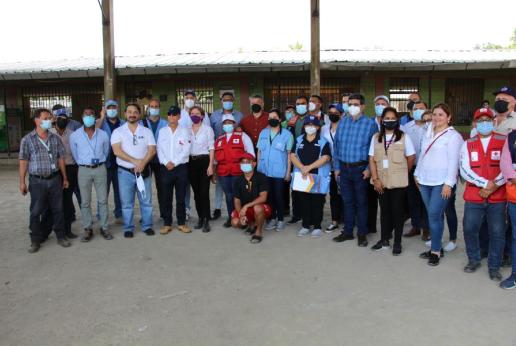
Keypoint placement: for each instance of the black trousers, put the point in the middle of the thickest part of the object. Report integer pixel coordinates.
(392, 213)
(46, 195)
(275, 197)
(372, 208)
(68, 208)
(200, 183)
(312, 205)
(296, 205)
(336, 206)
(156, 171)
(286, 197)
(170, 180)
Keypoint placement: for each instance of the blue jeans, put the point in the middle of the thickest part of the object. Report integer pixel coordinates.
(512, 215)
(127, 185)
(474, 215)
(451, 215)
(227, 186)
(353, 188)
(435, 206)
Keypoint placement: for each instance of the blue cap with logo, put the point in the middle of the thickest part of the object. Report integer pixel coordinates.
(311, 120)
(505, 90)
(174, 110)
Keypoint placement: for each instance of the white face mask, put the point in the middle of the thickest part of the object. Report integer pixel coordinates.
(189, 103)
(311, 106)
(354, 110)
(310, 130)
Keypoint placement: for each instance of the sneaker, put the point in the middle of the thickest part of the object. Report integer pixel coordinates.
(426, 254)
(128, 234)
(509, 283)
(428, 243)
(149, 231)
(271, 224)
(380, 245)
(332, 227)
(216, 214)
(495, 275)
(362, 240)
(227, 224)
(86, 237)
(280, 226)
(433, 260)
(106, 234)
(64, 242)
(396, 250)
(303, 232)
(343, 237)
(471, 267)
(450, 246)
(294, 220)
(34, 247)
(316, 233)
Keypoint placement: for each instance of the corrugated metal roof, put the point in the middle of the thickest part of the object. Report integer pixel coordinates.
(340, 59)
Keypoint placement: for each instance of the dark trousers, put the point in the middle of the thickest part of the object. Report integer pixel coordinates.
(296, 206)
(156, 171)
(178, 179)
(353, 188)
(372, 208)
(112, 178)
(275, 197)
(335, 200)
(312, 205)
(200, 182)
(286, 197)
(392, 209)
(416, 207)
(46, 194)
(451, 216)
(68, 207)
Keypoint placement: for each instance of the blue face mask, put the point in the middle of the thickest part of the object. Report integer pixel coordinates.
(288, 115)
(46, 124)
(228, 128)
(417, 114)
(154, 112)
(88, 120)
(227, 105)
(378, 109)
(345, 107)
(246, 167)
(111, 113)
(485, 128)
(301, 109)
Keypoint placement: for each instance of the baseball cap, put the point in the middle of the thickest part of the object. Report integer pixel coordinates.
(482, 112)
(247, 156)
(505, 90)
(382, 97)
(311, 120)
(189, 92)
(111, 103)
(174, 110)
(228, 117)
(61, 112)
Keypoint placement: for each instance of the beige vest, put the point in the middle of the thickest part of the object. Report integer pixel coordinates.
(396, 174)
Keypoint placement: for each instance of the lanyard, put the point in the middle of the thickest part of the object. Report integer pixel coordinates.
(385, 145)
(47, 147)
(427, 149)
(94, 148)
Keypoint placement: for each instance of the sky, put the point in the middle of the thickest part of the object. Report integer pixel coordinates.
(59, 29)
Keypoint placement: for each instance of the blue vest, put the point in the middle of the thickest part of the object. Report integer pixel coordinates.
(107, 129)
(322, 178)
(273, 154)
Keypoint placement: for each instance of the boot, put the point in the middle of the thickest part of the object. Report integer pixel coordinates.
(200, 223)
(206, 226)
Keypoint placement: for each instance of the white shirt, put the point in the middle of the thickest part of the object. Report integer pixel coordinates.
(203, 141)
(415, 133)
(135, 145)
(409, 147)
(174, 146)
(329, 135)
(186, 121)
(465, 168)
(440, 165)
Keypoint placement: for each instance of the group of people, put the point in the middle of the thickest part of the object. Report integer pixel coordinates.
(264, 162)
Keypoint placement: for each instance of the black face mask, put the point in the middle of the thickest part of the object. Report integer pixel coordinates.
(256, 108)
(390, 124)
(334, 117)
(501, 106)
(62, 122)
(274, 122)
(410, 105)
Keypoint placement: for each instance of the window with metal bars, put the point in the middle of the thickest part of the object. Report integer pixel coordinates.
(400, 90)
(203, 91)
(463, 96)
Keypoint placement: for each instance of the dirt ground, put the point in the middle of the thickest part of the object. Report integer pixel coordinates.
(218, 289)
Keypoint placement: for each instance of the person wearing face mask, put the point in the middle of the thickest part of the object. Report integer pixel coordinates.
(436, 175)
(200, 166)
(229, 147)
(351, 161)
(173, 147)
(328, 132)
(60, 110)
(273, 156)
(255, 122)
(380, 103)
(505, 107)
(311, 158)
(391, 156)
(228, 107)
(414, 98)
(344, 105)
(289, 123)
(90, 148)
(42, 157)
(109, 121)
(250, 192)
(314, 108)
(484, 195)
(190, 99)
(154, 122)
(415, 130)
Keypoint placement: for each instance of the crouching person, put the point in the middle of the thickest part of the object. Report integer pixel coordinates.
(250, 197)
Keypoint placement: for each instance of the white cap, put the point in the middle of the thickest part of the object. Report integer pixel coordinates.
(382, 97)
(228, 117)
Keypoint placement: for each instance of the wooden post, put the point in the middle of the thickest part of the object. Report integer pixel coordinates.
(109, 50)
(315, 56)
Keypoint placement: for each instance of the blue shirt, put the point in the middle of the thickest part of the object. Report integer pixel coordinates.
(84, 149)
(216, 121)
(353, 138)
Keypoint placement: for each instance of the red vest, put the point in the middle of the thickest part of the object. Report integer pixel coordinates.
(486, 165)
(228, 153)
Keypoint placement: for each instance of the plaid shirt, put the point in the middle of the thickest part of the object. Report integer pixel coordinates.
(32, 150)
(352, 139)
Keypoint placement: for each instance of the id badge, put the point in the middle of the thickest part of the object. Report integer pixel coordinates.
(495, 155)
(474, 156)
(94, 162)
(385, 164)
(53, 166)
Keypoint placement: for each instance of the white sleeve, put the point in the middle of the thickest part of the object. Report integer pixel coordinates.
(162, 145)
(248, 144)
(473, 132)
(465, 169)
(206, 121)
(211, 139)
(409, 147)
(116, 137)
(454, 145)
(371, 146)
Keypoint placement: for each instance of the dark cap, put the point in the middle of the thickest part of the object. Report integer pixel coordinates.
(174, 110)
(311, 120)
(505, 90)
(189, 92)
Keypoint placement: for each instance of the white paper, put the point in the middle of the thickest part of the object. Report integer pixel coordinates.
(299, 183)
(140, 185)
